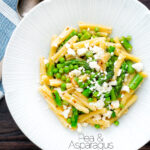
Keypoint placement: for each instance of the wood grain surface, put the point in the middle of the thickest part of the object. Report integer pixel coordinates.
(11, 138)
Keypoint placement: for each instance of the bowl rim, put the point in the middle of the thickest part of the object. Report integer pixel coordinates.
(145, 8)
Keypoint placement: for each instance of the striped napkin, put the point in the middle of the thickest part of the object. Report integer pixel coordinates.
(8, 21)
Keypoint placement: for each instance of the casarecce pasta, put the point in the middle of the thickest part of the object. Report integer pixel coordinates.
(89, 77)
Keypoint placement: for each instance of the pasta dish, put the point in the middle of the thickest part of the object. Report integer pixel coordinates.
(90, 78)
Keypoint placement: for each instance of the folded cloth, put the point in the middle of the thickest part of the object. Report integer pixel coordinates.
(8, 21)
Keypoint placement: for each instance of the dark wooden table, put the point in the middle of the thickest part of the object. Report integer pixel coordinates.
(11, 138)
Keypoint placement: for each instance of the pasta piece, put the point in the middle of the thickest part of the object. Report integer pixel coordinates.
(74, 102)
(52, 49)
(103, 123)
(145, 75)
(63, 50)
(83, 77)
(66, 32)
(131, 57)
(46, 93)
(42, 70)
(55, 82)
(106, 29)
(130, 102)
(117, 65)
(84, 117)
(95, 41)
(127, 96)
(83, 100)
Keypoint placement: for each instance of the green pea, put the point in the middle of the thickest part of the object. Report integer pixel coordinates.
(61, 70)
(116, 123)
(121, 106)
(88, 71)
(84, 31)
(55, 70)
(87, 92)
(79, 35)
(89, 54)
(66, 69)
(59, 66)
(75, 67)
(85, 36)
(74, 32)
(85, 84)
(63, 78)
(98, 34)
(90, 99)
(97, 29)
(112, 40)
(68, 80)
(63, 86)
(82, 85)
(89, 82)
(92, 76)
(97, 126)
(113, 115)
(111, 49)
(69, 120)
(94, 36)
(76, 79)
(58, 75)
(95, 94)
(62, 60)
(71, 67)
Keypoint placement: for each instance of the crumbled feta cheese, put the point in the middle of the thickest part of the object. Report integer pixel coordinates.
(75, 72)
(84, 124)
(113, 83)
(89, 60)
(112, 53)
(94, 65)
(71, 52)
(138, 67)
(79, 129)
(107, 115)
(99, 104)
(115, 104)
(46, 61)
(66, 112)
(82, 51)
(125, 88)
(119, 72)
(97, 117)
(54, 44)
(79, 89)
(67, 45)
(126, 77)
(88, 29)
(86, 45)
(119, 58)
(122, 95)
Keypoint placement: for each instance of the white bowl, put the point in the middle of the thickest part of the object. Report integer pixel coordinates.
(31, 40)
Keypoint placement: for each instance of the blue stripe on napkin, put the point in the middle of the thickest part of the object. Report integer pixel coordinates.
(12, 3)
(6, 29)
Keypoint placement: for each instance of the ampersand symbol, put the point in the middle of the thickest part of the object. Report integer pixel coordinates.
(99, 137)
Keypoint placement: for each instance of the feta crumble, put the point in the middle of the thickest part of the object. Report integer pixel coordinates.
(115, 104)
(71, 52)
(75, 72)
(66, 112)
(94, 65)
(82, 51)
(107, 115)
(46, 61)
(125, 88)
(119, 72)
(79, 89)
(138, 67)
